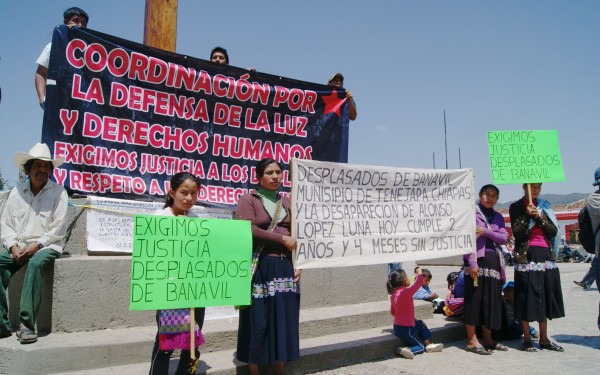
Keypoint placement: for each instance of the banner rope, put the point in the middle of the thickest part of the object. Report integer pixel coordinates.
(126, 213)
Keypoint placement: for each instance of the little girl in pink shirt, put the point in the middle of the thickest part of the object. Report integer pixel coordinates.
(414, 333)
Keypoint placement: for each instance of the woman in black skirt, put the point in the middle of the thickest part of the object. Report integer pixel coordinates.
(269, 329)
(483, 299)
(538, 294)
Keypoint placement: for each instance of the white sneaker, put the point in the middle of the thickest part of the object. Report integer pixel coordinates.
(405, 352)
(432, 348)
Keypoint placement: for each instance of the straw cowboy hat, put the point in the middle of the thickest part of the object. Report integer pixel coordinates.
(39, 151)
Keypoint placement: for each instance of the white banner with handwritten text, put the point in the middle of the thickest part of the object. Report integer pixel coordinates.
(349, 215)
(110, 222)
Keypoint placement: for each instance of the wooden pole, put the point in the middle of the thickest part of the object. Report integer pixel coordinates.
(192, 333)
(160, 31)
(160, 24)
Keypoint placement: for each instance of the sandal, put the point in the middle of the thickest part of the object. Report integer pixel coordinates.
(528, 347)
(478, 350)
(26, 336)
(552, 347)
(496, 346)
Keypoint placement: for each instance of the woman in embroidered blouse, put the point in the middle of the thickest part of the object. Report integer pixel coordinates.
(181, 197)
(483, 301)
(538, 295)
(268, 329)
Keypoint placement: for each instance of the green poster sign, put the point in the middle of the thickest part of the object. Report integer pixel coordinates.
(182, 262)
(525, 156)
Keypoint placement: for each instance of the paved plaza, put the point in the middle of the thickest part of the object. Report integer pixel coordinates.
(577, 333)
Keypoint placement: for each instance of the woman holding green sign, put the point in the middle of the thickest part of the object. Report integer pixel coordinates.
(268, 329)
(538, 295)
(174, 325)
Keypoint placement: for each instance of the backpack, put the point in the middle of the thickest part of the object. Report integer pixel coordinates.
(587, 234)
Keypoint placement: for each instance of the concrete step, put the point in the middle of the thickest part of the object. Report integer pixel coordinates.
(317, 353)
(55, 353)
(88, 293)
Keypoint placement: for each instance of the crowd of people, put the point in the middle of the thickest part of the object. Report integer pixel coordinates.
(491, 307)
(33, 228)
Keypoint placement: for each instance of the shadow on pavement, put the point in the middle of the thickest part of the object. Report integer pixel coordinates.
(592, 341)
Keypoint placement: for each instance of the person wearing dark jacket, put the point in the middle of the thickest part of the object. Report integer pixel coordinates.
(538, 294)
(593, 206)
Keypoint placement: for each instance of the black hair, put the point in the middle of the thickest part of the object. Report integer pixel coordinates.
(426, 274)
(396, 279)
(451, 278)
(263, 164)
(176, 181)
(489, 186)
(29, 163)
(74, 11)
(222, 50)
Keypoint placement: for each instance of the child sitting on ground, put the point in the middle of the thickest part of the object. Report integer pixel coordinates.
(454, 304)
(424, 293)
(511, 327)
(414, 333)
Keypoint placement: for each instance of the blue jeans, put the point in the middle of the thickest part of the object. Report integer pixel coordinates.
(591, 274)
(413, 337)
(595, 271)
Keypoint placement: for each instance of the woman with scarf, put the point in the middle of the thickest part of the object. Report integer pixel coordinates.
(538, 295)
(268, 330)
(484, 275)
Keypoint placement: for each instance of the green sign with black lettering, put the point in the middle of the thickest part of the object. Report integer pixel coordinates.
(183, 262)
(525, 156)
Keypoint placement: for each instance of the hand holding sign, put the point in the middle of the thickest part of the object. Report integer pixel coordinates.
(183, 262)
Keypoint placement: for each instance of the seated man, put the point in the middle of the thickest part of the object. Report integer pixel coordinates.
(32, 228)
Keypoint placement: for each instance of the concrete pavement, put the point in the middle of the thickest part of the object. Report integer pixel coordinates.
(577, 333)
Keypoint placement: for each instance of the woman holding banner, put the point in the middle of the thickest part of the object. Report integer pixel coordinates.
(538, 295)
(174, 325)
(268, 328)
(483, 289)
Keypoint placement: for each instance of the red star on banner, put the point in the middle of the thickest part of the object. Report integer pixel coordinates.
(332, 103)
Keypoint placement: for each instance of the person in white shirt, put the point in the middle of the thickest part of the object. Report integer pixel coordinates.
(72, 17)
(32, 229)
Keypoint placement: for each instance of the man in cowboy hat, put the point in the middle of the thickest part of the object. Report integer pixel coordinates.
(32, 229)
(337, 80)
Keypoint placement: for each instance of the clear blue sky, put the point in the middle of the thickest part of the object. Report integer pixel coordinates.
(492, 65)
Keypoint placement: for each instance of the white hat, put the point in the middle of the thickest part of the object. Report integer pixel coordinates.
(39, 151)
